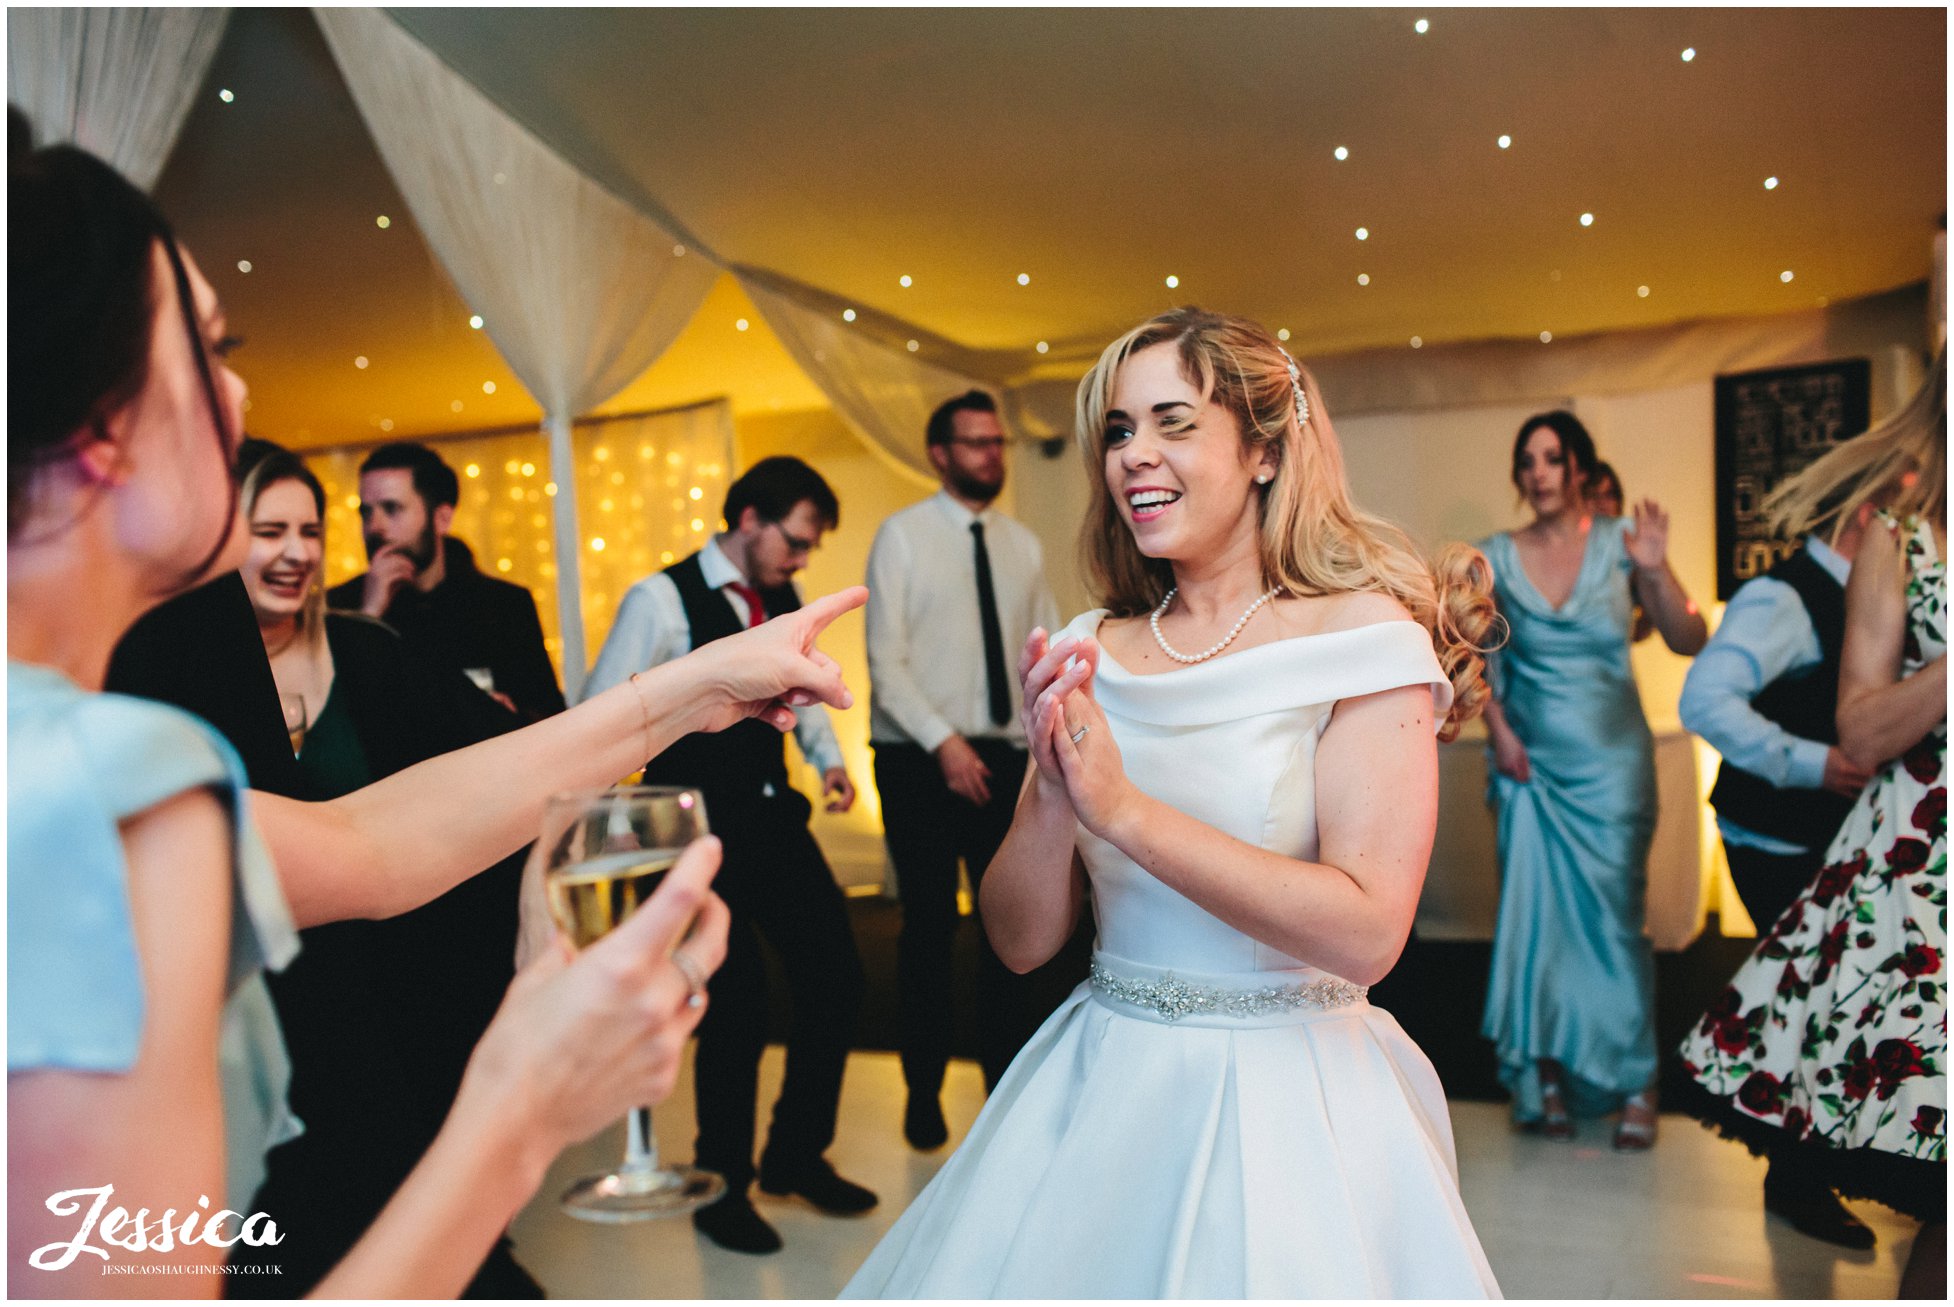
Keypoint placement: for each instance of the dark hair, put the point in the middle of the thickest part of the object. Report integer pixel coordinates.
(434, 481)
(80, 301)
(1575, 442)
(261, 463)
(773, 486)
(1604, 471)
(942, 427)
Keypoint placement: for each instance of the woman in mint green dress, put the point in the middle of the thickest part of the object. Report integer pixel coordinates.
(1570, 1001)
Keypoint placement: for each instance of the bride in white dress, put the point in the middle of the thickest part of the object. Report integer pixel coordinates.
(1239, 751)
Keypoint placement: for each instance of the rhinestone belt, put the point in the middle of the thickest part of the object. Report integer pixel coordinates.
(1173, 999)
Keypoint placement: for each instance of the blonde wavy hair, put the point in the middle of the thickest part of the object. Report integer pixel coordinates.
(1314, 539)
(1901, 464)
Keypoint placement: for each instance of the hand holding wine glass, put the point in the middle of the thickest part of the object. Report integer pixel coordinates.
(583, 1037)
(603, 854)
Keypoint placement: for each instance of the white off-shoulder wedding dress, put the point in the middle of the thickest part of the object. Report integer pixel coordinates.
(1207, 1117)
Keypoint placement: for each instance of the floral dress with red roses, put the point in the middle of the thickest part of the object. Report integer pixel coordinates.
(1833, 1037)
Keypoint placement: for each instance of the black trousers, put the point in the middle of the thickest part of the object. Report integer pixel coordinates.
(1767, 882)
(779, 889)
(929, 828)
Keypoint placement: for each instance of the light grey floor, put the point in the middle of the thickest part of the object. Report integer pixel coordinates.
(1557, 1220)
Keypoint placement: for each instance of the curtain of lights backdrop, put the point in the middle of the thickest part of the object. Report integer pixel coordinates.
(649, 490)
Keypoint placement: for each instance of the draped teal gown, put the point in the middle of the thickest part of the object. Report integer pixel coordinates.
(1573, 976)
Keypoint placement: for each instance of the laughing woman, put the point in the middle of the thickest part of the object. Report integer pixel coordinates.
(1239, 752)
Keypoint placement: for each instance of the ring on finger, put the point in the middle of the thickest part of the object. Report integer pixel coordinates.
(695, 983)
(1080, 734)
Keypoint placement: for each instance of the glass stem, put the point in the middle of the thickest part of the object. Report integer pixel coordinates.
(640, 1145)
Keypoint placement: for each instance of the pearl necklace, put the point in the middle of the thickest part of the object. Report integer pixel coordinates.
(1212, 650)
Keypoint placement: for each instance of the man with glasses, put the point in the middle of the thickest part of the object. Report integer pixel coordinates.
(772, 875)
(955, 587)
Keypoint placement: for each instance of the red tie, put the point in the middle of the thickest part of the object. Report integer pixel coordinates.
(756, 611)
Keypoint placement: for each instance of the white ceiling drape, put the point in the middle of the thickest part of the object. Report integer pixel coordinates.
(580, 291)
(116, 82)
(884, 390)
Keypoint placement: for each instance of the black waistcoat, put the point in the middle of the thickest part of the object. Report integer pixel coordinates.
(741, 770)
(1805, 704)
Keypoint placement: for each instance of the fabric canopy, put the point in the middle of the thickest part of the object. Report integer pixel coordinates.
(116, 82)
(580, 291)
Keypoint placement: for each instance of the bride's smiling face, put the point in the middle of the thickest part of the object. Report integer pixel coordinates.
(1176, 465)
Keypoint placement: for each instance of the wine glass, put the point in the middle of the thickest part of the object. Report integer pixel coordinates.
(293, 706)
(604, 852)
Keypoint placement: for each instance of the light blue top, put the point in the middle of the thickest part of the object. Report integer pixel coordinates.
(78, 764)
(1765, 634)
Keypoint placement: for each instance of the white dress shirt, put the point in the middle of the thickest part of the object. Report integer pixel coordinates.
(651, 628)
(927, 679)
(1765, 634)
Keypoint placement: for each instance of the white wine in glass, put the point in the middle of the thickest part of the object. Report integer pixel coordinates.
(603, 853)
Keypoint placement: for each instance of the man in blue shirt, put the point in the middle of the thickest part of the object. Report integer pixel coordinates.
(1764, 694)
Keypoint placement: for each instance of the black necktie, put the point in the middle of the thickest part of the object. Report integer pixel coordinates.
(993, 634)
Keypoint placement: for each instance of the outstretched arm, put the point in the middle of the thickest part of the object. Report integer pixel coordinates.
(411, 837)
(1661, 594)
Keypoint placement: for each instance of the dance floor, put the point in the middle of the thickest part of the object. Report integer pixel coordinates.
(1557, 1220)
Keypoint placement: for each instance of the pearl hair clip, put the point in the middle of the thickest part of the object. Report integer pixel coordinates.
(1296, 385)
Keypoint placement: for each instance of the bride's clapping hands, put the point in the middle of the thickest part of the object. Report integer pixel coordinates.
(1072, 730)
(1043, 667)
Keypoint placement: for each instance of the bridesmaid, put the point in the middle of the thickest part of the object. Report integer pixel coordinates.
(1570, 1003)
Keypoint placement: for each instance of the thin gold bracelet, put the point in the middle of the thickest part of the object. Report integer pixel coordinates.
(644, 706)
